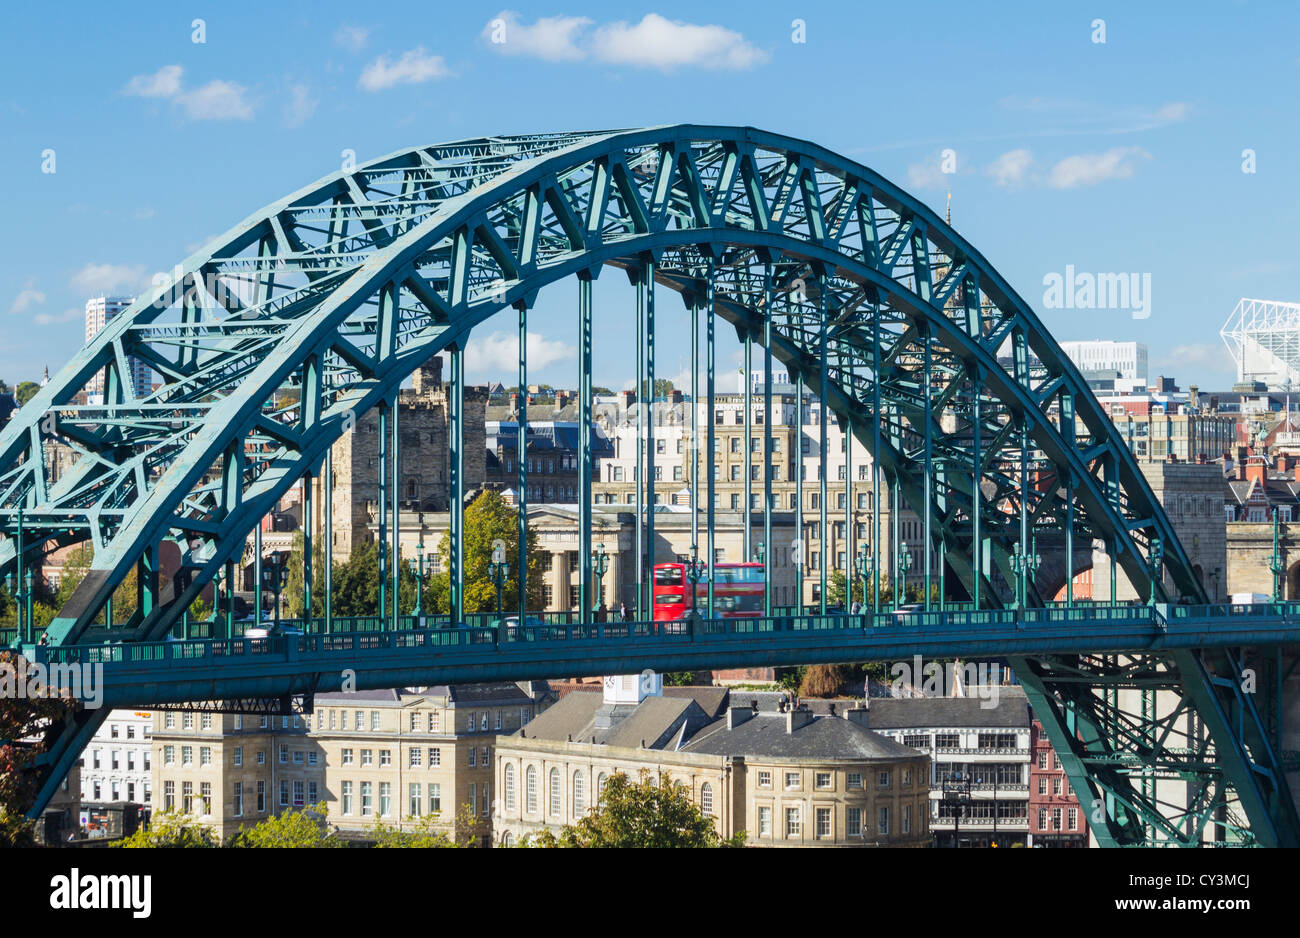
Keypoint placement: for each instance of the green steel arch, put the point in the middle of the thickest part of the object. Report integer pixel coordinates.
(344, 288)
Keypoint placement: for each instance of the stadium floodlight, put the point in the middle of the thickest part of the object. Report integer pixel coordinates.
(1263, 337)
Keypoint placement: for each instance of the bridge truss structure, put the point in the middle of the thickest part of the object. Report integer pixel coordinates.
(274, 338)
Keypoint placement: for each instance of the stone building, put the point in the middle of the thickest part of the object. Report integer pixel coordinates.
(423, 476)
(979, 769)
(388, 755)
(786, 778)
(117, 763)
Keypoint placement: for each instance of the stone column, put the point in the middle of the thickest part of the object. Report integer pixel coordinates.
(560, 567)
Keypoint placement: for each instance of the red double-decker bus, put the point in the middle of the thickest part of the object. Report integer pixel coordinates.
(737, 591)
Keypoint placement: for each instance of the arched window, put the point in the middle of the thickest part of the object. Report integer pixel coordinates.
(601, 779)
(556, 801)
(706, 799)
(530, 782)
(507, 839)
(510, 786)
(579, 794)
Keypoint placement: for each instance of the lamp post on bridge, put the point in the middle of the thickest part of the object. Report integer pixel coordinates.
(904, 565)
(1155, 562)
(864, 567)
(1275, 563)
(695, 570)
(419, 582)
(600, 564)
(498, 570)
(1025, 566)
(21, 620)
(276, 575)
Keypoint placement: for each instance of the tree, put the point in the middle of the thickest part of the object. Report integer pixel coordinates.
(825, 680)
(425, 834)
(171, 829)
(305, 827)
(647, 813)
(25, 391)
(488, 518)
(23, 721)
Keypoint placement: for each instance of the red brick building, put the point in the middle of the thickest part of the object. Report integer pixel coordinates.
(1056, 819)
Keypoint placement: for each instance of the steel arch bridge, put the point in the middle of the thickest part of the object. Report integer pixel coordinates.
(340, 291)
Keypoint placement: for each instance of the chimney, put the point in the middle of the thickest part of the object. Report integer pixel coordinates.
(514, 401)
(1241, 463)
(859, 715)
(627, 398)
(797, 718)
(1257, 471)
(1200, 459)
(1194, 395)
(1173, 457)
(561, 398)
(1283, 463)
(674, 396)
(738, 715)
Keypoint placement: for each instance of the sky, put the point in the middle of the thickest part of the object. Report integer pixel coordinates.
(1157, 139)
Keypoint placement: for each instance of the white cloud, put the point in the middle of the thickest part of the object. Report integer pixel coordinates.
(1173, 112)
(499, 353)
(656, 42)
(27, 298)
(68, 315)
(1011, 168)
(164, 83)
(551, 38)
(412, 68)
(352, 38)
(300, 107)
(96, 279)
(1088, 169)
(216, 101)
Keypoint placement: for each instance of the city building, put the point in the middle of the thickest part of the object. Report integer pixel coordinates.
(1263, 338)
(785, 777)
(100, 311)
(1056, 819)
(391, 756)
(1107, 358)
(979, 748)
(117, 763)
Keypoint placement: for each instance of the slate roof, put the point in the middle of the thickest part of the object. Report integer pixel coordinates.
(656, 722)
(505, 692)
(1010, 712)
(822, 738)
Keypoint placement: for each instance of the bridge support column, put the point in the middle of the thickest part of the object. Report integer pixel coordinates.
(327, 532)
(823, 535)
(710, 383)
(648, 275)
(308, 524)
(381, 507)
(747, 402)
(521, 474)
(766, 462)
(396, 552)
(586, 602)
(456, 454)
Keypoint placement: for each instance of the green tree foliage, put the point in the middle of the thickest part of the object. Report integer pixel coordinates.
(172, 829)
(489, 518)
(647, 813)
(25, 391)
(427, 833)
(302, 828)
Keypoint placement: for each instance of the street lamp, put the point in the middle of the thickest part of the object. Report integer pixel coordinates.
(695, 570)
(599, 564)
(498, 570)
(758, 552)
(904, 565)
(419, 581)
(1025, 566)
(1155, 561)
(1275, 562)
(18, 607)
(864, 567)
(276, 575)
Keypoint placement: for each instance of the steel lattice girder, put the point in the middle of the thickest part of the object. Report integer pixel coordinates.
(341, 290)
(344, 288)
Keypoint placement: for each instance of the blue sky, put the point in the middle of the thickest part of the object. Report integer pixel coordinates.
(1122, 156)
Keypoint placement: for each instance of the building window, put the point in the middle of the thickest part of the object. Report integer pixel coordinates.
(414, 757)
(854, 780)
(883, 779)
(791, 780)
(385, 758)
(530, 789)
(237, 800)
(414, 802)
(555, 793)
(187, 797)
(435, 798)
(299, 794)
(907, 819)
(509, 773)
(764, 779)
(791, 822)
(764, 821)
(882, 821)
(1073, 816)
(706, 799)
(169, 795)
(435, 757)
(385, 799)
(365, 799)
(261, 796)
(579, 794)
(473, 756)
(853, 822)
(284, 792)
(367, 757)
(600, 785)
(823, 822)
(346, 797)
(823, 779)
(169, 756)
(239, 755)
